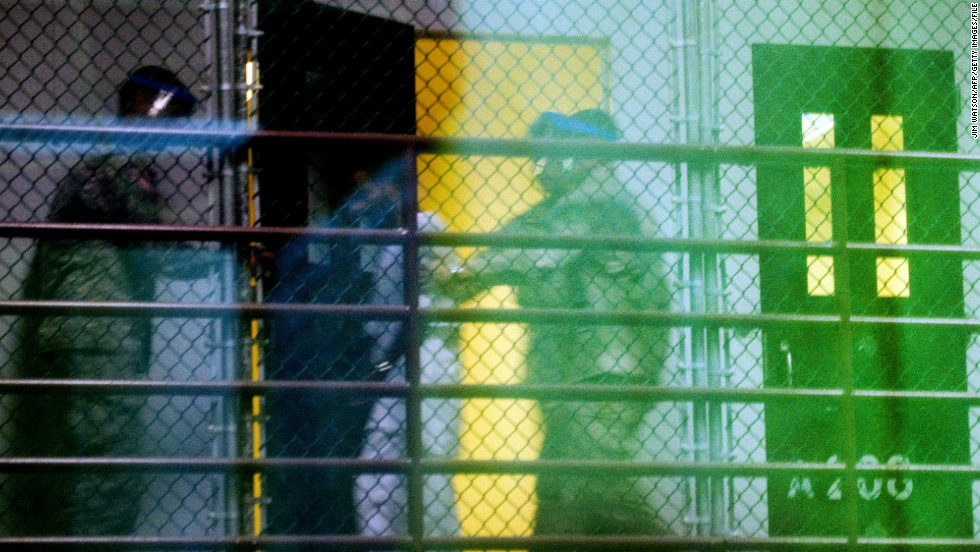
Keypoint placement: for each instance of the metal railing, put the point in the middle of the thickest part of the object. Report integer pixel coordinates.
(415, 465)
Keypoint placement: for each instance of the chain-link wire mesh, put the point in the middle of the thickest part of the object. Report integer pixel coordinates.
(665, 270)
(63, 63)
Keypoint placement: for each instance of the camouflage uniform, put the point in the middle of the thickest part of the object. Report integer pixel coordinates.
(563, 353)
(104, 190)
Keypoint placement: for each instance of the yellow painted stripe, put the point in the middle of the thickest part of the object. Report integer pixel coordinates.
(252, 78)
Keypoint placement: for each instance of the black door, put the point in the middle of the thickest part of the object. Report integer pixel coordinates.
(322, 69)
(853, 94)
(327, 69)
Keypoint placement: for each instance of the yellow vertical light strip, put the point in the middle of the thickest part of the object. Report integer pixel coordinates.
(818, 132)
(891, 222)
(255, 353)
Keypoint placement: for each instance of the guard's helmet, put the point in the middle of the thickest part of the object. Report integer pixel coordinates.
(558, 176)
(154, 92)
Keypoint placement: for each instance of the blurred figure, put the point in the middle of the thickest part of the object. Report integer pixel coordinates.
(104, 189)
(314, 347)
(583, 198)
(382, 498)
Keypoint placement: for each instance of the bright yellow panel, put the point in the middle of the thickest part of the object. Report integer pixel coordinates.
(891, 224)
(820, 275)
(818, 132)
(893, 276)
(887, 133)
(496, 429)
(891, 221)
(494, 89)
(816, 197)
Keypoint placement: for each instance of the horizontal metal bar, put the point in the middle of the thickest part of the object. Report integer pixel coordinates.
(193, 465)
(637, 468)
(963, 324)
(242, 234)
(595, 317)
(351, 542)
(580, 392)
(459, 315)
(679, 319)
(199, 310)
(965, 252)
(428, 466)
(578, 40)
(366, 465)
(563, 542)
(946, 397)
(683, 245)
(210, 135)
(620, 243)
(768, 395)
(710, 155)
(160, 232)
(200, 388)
(214, 135)
(625, 392)
(347, 542)
(442, 391)
(388, 312)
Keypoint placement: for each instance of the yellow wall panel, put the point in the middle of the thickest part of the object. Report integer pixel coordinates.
(494, 89)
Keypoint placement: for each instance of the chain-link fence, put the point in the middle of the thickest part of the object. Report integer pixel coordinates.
(489, 275)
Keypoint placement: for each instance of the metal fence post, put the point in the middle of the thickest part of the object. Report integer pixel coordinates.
(703, 200)
(221, 24)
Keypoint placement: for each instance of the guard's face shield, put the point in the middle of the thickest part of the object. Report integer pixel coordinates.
(146, 98)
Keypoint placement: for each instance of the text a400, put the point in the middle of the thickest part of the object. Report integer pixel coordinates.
(868, 488)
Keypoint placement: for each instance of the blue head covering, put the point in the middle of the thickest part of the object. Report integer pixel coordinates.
(589, 123)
